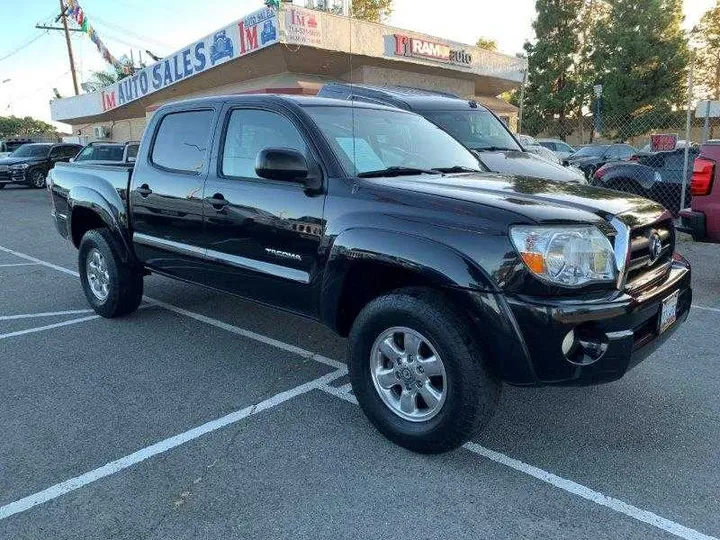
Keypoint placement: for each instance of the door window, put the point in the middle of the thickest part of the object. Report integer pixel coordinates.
(248, 132)
(181, 142)
(56, 152)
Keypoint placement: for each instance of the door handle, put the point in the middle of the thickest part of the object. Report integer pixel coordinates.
(144, 190)
(218, 202)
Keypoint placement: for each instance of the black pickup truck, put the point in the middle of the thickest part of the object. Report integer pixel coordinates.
(377, 223)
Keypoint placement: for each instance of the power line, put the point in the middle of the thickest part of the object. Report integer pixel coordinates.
(124, 31)
(23, 46)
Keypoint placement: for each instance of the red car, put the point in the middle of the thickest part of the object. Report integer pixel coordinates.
(702, 220)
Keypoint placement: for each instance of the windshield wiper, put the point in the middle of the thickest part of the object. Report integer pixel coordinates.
(455, 169)
(494, 149)
(396, 171)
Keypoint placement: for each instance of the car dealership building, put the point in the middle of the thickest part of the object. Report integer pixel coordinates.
(293, 51)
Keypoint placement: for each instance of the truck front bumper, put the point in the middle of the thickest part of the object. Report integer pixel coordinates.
(583, 342)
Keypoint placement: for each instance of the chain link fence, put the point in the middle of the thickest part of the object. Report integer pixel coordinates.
(650, 153)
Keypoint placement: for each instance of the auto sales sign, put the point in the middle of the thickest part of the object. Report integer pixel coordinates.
(257, 30)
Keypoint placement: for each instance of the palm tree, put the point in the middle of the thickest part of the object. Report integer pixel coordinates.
(100, 79)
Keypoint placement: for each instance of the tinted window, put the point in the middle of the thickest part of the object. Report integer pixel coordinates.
(475, 128)
(249, 132)
(676, 160)
(32, 150)
(70, 151)
(57, 152)
(182, 140)
(548, 144)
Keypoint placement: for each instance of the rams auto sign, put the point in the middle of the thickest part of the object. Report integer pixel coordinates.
(432, 50)
(257, 30)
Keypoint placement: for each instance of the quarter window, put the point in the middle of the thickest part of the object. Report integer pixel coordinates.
(250, 131)
(182, 140)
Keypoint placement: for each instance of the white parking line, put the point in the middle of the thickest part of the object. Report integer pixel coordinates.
(46, 314)
(716, 310)
(566, 485)
(62, 488)
(18, 264)
(48, 327)
(591, 495)
(616, 505)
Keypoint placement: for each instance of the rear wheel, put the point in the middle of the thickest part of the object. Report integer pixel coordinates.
(37, 179)
(418, 372)
(112, 287)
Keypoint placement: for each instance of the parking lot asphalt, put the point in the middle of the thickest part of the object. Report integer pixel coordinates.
(206, 416)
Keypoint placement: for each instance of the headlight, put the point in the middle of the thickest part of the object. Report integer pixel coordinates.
(20, 167)
(566, 255)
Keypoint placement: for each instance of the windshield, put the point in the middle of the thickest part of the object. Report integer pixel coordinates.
(386, 138)
(596, 150)
(32, 150)
(477, 129)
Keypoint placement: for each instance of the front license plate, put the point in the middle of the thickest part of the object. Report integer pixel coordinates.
(668, 314)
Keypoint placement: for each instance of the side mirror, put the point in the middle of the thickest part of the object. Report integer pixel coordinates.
(282, 164)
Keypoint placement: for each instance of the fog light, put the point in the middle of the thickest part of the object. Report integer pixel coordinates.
(569, 342)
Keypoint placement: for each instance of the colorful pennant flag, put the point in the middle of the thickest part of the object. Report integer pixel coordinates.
(77, 13)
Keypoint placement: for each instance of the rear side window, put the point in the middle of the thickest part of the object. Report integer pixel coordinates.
(181, 142)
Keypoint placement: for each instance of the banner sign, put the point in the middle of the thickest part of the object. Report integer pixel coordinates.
(663, 142)
(303, 27)
(431, 50)
(257, 30)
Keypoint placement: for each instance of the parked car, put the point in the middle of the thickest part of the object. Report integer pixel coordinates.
(702, 219)
(375, 222)
(560, 148)
(590, 158)
(531, 144)
(9, 146)
(657, 176)
(467, 121)
(108, 153)
(30, 163)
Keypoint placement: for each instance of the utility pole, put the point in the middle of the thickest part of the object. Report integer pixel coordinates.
(69, 47)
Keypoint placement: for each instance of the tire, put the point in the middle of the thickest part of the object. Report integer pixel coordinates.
(470, 392)
(38, 179)
(113, 288)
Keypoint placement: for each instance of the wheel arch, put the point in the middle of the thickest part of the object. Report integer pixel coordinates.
(366, 263)
(89, 210)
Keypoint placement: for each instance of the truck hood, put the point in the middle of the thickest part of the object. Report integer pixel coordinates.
(537, 199)
(527, 164)
(7, 161)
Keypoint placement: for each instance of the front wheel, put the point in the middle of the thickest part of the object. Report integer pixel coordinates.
(37, 179)
(418, 372)
(112, 287)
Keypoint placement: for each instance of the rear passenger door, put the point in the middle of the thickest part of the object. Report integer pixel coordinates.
(263, 236)
(166, 193)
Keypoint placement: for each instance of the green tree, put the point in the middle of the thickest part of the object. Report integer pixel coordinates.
(707, 60)
(551, 92)
(100, 79)
(13, 126)
(367, 10)
(487, 44)
(640, 58)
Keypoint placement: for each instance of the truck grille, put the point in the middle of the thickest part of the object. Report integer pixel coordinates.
(646, 263)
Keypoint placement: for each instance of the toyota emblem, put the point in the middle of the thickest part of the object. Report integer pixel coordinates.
(655, 247)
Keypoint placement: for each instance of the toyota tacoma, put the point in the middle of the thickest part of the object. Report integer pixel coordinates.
(372, 220)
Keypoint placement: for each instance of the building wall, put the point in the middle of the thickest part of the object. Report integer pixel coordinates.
(119, 131)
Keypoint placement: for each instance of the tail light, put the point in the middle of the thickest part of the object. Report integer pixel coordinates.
(601, 172)
(634, 157)
(702, 176)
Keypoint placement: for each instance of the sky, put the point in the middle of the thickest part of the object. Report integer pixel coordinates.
(164, 26)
